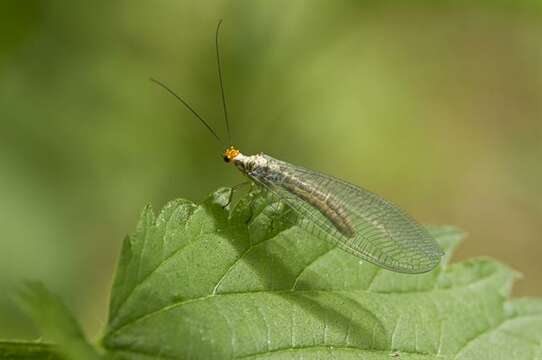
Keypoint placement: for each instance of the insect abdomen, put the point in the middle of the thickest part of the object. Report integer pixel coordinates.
(324, 202)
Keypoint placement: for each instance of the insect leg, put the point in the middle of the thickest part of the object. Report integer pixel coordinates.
(234, 189)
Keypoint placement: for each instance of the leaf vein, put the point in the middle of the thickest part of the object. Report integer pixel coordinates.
(176, 252)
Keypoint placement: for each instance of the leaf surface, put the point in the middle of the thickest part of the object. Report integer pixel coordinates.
(203, 282)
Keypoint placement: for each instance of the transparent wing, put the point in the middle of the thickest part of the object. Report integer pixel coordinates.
(381, 232)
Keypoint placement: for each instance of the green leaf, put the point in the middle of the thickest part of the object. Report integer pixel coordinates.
(56, 324)
(201, 282)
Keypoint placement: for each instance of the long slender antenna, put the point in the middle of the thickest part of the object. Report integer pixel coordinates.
(220, 80)
(189, 108)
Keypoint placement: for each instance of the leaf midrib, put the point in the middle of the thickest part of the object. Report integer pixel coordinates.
(285, 291)
(353, 348)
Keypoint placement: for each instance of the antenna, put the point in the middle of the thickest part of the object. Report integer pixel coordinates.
(220, 81)
(189, 108)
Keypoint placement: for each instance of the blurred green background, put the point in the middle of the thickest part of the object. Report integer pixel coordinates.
(434, 105)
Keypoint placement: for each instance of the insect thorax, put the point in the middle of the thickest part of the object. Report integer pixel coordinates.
(260, 167)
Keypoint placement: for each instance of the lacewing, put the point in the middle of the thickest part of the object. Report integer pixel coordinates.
(356, 220)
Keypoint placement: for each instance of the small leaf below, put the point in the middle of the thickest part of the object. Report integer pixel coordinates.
(56, 324)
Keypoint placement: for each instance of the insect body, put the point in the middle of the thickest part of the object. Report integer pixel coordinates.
(356, 220)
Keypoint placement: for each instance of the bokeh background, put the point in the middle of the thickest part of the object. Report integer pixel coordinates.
(435, 105)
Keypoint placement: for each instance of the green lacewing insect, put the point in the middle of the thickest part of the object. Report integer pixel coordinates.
(356, 220)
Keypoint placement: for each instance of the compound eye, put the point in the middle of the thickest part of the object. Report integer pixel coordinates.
(226, 159)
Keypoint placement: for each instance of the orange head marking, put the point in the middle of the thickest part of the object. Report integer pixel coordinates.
(230, 154)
